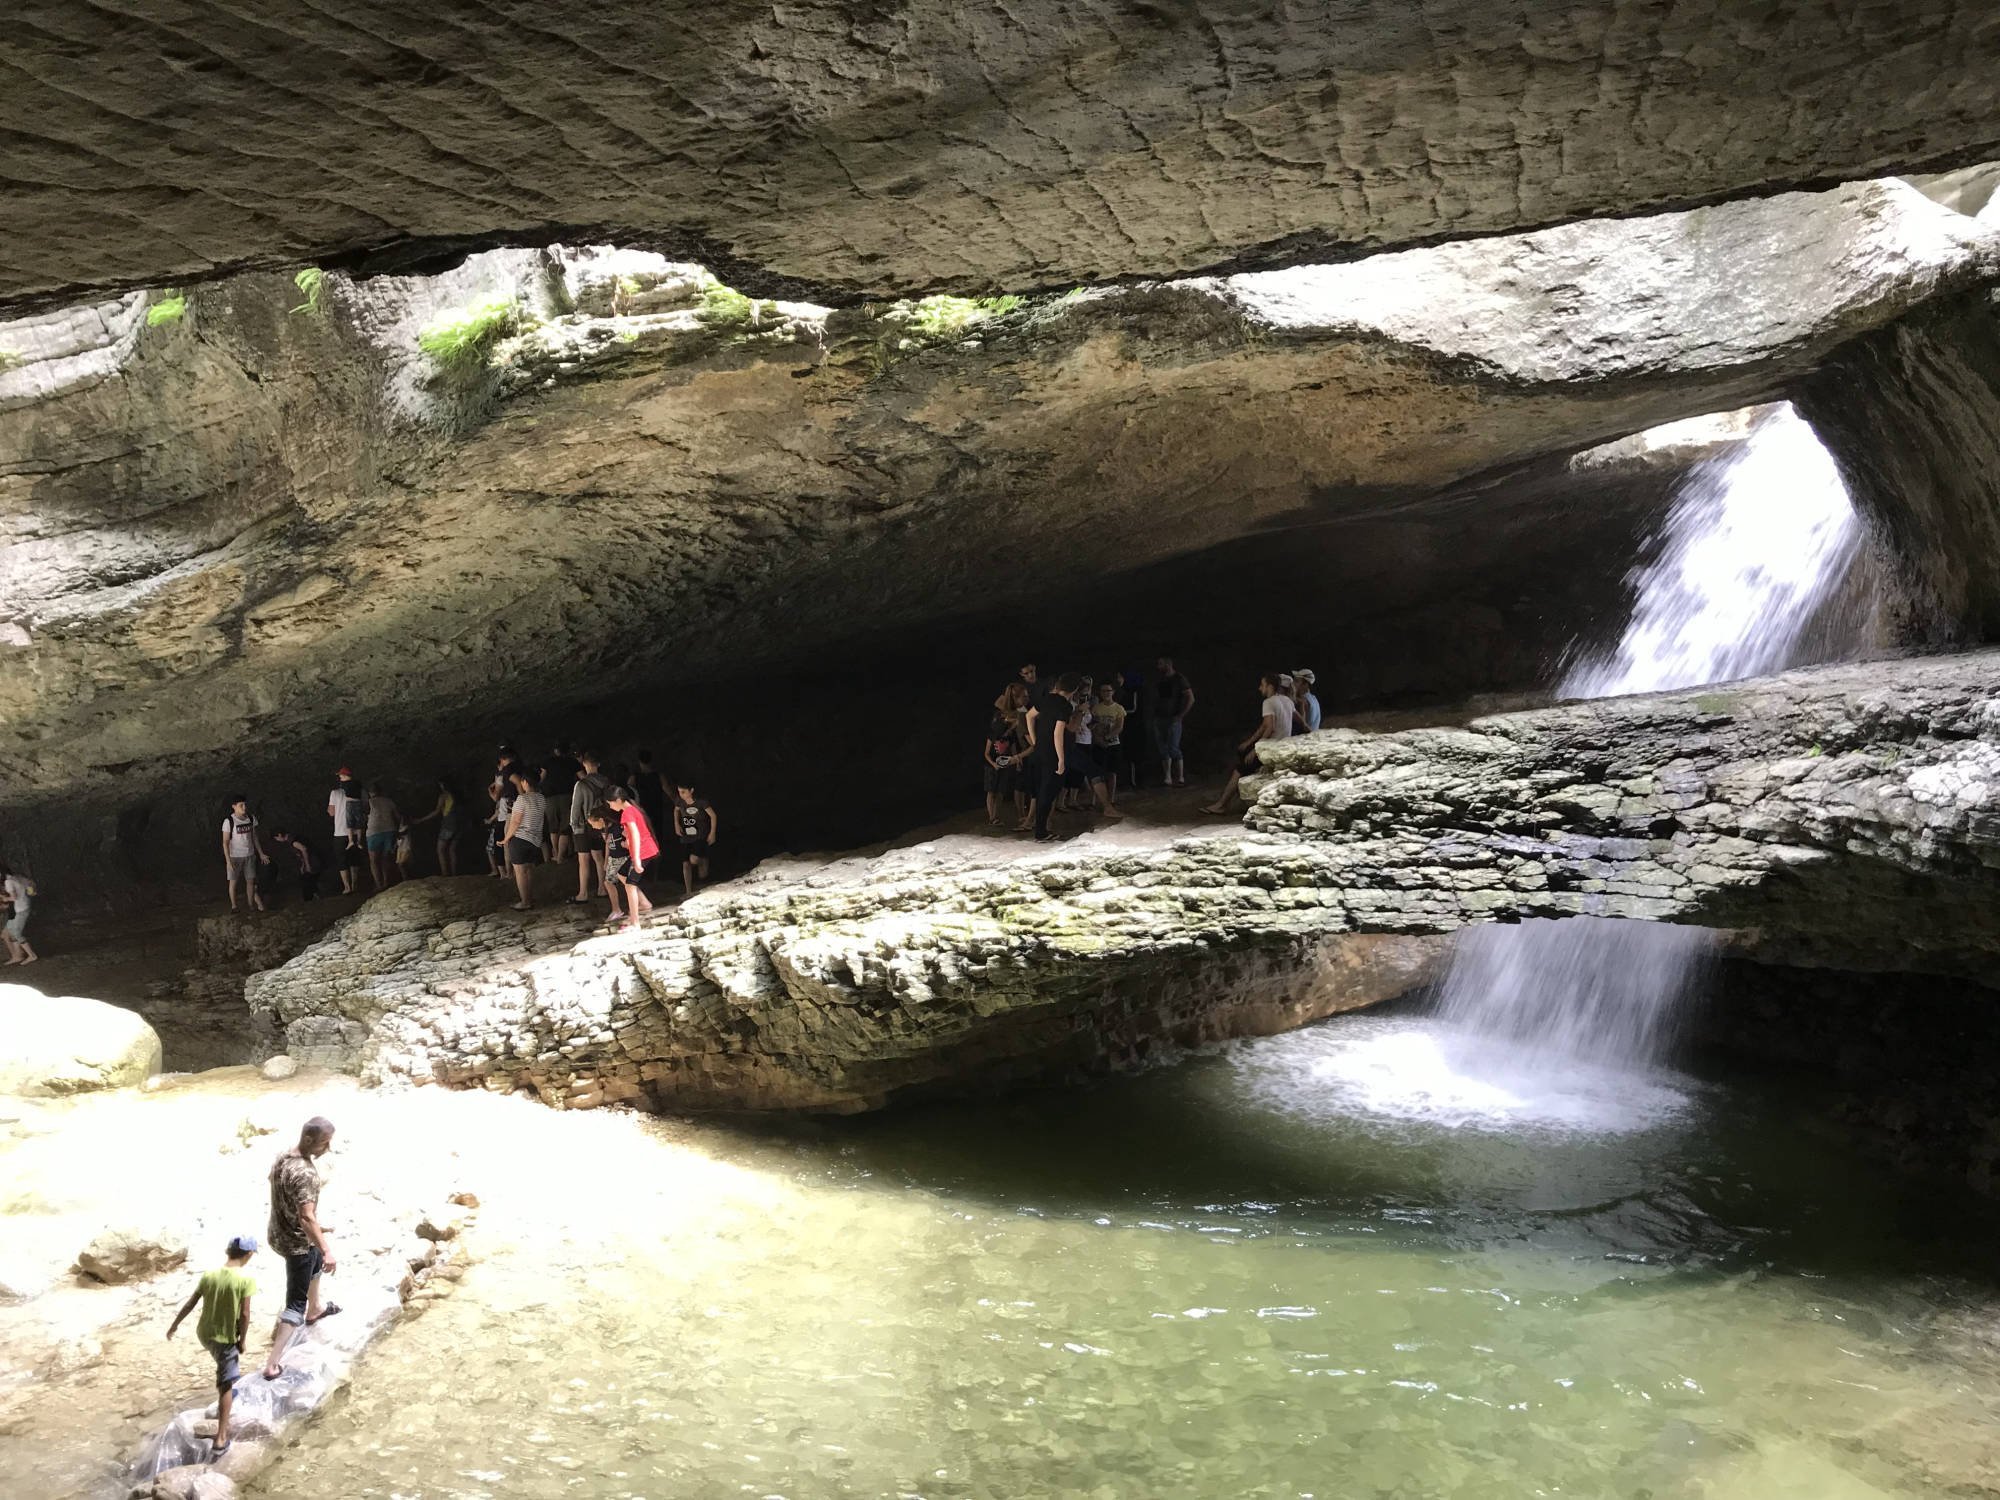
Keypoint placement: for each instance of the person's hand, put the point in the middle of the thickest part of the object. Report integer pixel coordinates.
(329, 1265)
(265, 858)
(711, 841)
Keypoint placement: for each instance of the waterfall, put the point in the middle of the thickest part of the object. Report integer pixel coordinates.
(1756, 545)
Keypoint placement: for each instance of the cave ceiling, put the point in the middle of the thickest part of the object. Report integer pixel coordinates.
(846, 151)
(262, 520)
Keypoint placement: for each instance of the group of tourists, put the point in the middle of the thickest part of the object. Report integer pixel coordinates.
(1067, 746)
(224, 1294)
(572, 805)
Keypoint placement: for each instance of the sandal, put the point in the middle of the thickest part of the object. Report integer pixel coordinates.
(324, 1313)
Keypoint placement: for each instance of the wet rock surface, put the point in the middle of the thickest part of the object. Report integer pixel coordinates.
(970, 147)
(1844, 816)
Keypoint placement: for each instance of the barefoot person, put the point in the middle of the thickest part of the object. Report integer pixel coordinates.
(383, 819)
(224, 1327)
(296, 1233)
(242, 851)
(17, 894)
(1276, 724)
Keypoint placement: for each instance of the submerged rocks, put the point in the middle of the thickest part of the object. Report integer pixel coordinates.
(67, 1044)
(1846, 816)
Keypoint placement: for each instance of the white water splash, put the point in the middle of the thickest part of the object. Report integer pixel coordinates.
(1561, 1024)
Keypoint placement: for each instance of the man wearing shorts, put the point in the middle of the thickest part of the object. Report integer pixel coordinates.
(1279, 715)
(242, 851)
(296, 1233)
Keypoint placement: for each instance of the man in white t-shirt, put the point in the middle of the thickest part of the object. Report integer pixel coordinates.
(1279, 715)
(242, 852)
(348, 809)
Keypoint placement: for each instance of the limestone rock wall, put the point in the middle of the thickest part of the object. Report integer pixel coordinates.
(966, 147)
(1846, 816)
(1912, 413)
(262, 529)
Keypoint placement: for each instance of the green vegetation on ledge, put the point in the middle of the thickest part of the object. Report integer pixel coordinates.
(725, 307)
(459, 340)
(312, 282)
(169, 309)
(943, 317)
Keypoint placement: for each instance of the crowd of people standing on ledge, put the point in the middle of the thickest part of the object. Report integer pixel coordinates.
(1067, 745)
(618, 822)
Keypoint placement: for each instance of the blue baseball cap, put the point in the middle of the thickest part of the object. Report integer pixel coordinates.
(243, 1244)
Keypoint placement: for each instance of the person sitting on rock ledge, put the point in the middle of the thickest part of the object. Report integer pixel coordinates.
(296, 1233)
(224, 1326)
(1302, 697)
(1279, 715)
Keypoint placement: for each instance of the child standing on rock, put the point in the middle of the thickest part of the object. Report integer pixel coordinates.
(224, 1295)
(695, 826)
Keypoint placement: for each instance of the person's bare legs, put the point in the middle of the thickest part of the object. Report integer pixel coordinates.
(1221, 804)
(234, 881)
(583, 869)
(637, 899)
(611, 891)
(687, 875)
(1104, 800)
(523, 878)
(222, 1405)
(284, 1333)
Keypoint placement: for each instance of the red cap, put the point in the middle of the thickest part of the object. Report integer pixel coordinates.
(344, 774)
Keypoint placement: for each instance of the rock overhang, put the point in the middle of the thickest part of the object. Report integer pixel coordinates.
(963, 148)
(732, 474)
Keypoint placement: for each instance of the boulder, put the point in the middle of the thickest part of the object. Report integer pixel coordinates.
(67, 1044)
(279, 1068)
(131, 1253)
(1845, 816)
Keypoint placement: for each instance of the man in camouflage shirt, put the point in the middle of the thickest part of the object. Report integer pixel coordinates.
(295, 1233)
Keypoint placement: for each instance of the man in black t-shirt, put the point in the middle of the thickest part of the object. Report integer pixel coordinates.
(1172, 698)
(1048, 730)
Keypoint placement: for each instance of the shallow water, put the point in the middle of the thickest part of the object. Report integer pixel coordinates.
(1261, 1272)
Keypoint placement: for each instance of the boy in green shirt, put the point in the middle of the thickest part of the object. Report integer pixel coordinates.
(224, 1295)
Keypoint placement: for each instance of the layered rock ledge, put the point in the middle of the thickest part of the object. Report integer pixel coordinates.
(964, 147)
(1847, 816)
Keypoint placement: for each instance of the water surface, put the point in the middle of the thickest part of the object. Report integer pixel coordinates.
(1256, 1273)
